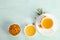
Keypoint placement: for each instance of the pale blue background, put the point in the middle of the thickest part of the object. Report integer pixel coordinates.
(22, 12)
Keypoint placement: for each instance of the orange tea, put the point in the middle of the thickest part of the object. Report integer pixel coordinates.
(47, 23)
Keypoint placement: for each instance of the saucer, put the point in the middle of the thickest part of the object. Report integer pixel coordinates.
(44, 31)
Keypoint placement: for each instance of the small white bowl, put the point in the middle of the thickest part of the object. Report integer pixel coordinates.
(25, 32)
(18, 33)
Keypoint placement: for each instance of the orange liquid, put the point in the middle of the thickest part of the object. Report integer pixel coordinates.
(30, 30)
(47, 23)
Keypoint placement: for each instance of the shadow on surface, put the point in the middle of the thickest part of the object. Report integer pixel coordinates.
(5, 25)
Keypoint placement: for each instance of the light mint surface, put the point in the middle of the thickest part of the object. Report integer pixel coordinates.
(22, 13)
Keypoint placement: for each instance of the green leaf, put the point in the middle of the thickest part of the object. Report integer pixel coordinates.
(39, 11)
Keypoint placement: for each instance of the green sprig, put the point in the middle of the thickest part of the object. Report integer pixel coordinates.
(39, 11)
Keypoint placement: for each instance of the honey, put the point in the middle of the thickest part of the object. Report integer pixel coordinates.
(30, 30)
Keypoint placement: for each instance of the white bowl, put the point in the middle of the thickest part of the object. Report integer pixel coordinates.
(25, 32)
